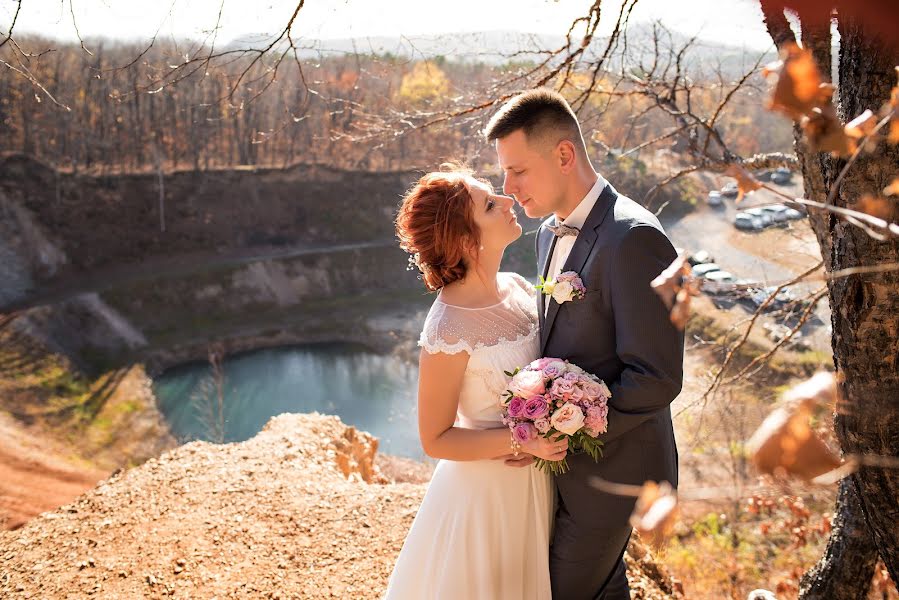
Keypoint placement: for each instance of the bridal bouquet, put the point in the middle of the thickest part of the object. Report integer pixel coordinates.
(553, 397)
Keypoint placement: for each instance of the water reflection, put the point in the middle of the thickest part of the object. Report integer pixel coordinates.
(372, 392)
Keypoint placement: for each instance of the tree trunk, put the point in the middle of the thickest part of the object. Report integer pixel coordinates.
(847, 567)
(865, 320)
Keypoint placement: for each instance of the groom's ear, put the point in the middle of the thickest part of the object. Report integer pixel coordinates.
(566, 156)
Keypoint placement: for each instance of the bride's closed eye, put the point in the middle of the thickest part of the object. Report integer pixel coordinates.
(490, 204)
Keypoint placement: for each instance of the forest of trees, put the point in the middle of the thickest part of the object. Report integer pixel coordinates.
(119, 109)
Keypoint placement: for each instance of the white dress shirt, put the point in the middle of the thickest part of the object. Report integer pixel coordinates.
(576, 219)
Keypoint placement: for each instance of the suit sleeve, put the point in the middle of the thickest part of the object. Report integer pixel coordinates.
(651, 348)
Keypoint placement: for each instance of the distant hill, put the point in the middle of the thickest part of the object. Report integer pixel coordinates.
(497, 47)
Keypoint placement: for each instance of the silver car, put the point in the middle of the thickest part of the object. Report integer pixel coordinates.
(747, 222)
(762, 215)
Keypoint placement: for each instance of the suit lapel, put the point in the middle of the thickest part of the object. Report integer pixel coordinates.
(586, 239)
(547, 243)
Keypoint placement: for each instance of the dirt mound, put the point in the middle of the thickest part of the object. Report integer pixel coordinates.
(299, 511)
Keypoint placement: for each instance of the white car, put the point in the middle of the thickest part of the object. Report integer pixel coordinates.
(715, 198)
(718, 282)
(778, 212)
(748, 222)
(705, 268)
(762, 215)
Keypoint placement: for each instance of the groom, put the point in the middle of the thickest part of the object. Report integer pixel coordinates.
(620, 331)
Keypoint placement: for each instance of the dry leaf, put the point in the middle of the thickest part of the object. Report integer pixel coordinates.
(875, 206)
(862, 125)
(655, 512)
(670, 281)
(825, 133)
(785, 442)
(675, 285)
(798, 89)
(892, 189)
(820, 388)
(746, 183)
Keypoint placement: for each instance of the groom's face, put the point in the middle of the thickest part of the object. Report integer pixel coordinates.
(531, 174)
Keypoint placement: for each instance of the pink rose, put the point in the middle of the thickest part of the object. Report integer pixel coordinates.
(568, 419)
(571, 376)
(542, 425)
(516, 407)
(528, 384)
(536, 408)
(524, 432)
(577, 394)
(552, 371)
(562, 388)
(593, 390)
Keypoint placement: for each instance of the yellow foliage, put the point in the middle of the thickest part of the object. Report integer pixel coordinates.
(424, 84)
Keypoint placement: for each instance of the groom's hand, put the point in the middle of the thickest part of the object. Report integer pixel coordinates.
(518, 461)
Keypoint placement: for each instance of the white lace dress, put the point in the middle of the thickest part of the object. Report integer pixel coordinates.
(483, 529)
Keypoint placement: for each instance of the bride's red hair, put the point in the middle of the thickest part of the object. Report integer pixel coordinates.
(436, 225)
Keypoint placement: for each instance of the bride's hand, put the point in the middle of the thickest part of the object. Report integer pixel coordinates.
(546, 448)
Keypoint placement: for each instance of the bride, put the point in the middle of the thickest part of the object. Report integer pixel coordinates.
(483, 528)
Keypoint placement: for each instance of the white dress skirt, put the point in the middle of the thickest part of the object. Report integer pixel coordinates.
(482, 531)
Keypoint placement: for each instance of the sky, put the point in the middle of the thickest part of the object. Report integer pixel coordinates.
(735, 22)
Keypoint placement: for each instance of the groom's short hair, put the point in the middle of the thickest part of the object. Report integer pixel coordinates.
(541, 114)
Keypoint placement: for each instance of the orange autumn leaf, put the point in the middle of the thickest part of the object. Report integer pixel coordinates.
(825, 133)
(655, 512)
(675, 285)
(875, 206)
(746, 183)
(785, 443)
(861, 125)
(821, 388)
(798, 87)
(892, 189)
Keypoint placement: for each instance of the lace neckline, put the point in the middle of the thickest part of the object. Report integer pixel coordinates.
(506, 294)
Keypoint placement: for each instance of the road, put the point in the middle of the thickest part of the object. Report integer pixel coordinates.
(771, 256)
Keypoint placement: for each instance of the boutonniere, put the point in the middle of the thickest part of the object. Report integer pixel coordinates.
(565, 287)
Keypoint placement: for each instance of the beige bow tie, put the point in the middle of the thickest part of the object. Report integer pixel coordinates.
(561, 230)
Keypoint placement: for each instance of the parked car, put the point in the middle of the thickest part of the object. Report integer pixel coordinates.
(715, 198)
(718, 282)
(730, 190)
(777, 212)
(793, 214)
(704, 269)
(700, 257)
(747, 222)
(781, 176)
(763, 216)
(763, 175)
(759, 295)
(778, 331)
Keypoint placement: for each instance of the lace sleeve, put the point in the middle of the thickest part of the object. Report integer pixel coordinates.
(439, 335)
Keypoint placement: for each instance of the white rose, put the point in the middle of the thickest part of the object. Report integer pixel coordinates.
(548, 288)
(562, 291)
(568, 419)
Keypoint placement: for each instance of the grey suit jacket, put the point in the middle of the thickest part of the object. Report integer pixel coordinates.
(620, 331)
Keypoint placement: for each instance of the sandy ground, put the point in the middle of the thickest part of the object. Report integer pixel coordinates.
(299, 511)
